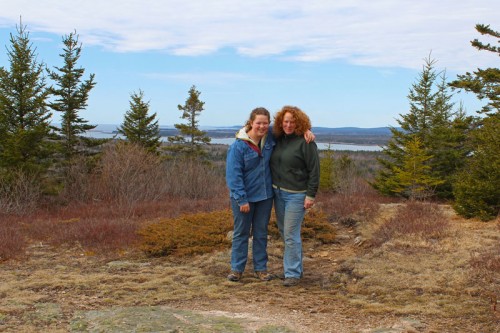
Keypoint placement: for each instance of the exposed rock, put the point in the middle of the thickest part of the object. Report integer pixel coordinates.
(164, 319)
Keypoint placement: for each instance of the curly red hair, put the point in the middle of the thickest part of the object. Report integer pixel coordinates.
(302, 121)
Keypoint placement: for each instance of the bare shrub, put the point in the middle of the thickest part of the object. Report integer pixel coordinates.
(78, 180)
(89, 233)
(12, 241)
(357, 207)
(417, 219)
(128, 174)
(20, 192)
(193, 179)
(123, 176)
(187, 235)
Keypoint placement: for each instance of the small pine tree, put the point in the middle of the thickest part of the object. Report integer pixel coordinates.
(413, 178)
(23, 109)
(190, 112)
(327, 170)
(138, 127)
(71, 95)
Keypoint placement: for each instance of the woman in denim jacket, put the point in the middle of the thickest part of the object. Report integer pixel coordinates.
(248, 178)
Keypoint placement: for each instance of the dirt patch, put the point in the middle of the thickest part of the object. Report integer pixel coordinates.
(405, 285)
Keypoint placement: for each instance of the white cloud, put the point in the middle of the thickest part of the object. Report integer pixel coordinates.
(383, 33)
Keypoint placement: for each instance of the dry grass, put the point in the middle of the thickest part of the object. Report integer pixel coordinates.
(420, 220)
(444, 282)
(429, 277)
(12, 239)
(352, 209)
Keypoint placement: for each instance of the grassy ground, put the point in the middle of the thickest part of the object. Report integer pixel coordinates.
(357, 284)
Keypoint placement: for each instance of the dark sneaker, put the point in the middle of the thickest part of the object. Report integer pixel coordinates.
(234, 276)
(263, 276)
(290, 282)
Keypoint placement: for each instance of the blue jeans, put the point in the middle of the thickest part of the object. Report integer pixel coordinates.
(290, 211)
(256, 221)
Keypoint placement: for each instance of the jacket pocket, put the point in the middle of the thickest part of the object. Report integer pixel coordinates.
(251, 159)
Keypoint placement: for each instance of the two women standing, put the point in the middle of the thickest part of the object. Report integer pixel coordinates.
(294, 165)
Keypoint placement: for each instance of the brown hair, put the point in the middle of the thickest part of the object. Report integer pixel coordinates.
(260, 111)
(302, 121)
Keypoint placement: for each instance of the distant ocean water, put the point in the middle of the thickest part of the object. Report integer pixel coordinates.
(106, 132)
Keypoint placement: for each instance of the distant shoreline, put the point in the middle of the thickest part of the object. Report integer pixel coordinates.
(336, 145)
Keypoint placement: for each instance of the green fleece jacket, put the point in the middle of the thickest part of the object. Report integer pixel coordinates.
(295, 165)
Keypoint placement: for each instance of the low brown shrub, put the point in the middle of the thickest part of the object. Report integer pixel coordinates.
(12, 240)
(354, 208)
(314, 227)
(89, 233)
(417, 219)
(187, 235)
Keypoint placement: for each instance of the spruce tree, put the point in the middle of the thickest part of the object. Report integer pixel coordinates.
(139, 127)
(71, 93)
(190, 111)
(23, 109)
(327, 181)
(412, 178)
(477, 186)
(485, 83)
(433, 122)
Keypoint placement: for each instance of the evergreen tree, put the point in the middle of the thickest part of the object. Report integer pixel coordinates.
(433, 122)
(23, 109)
(190, 111)
(139, 127)
(413, 178)
(327, 180)
(71, 95)
(477, 186)
(485, 83)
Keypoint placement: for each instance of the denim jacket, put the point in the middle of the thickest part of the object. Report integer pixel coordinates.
(248, 175)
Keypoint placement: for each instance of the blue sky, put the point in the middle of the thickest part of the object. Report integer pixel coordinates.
(345, 63)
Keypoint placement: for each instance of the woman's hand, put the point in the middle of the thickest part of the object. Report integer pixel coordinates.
(309, 136)
(245, 208)
(308, 203)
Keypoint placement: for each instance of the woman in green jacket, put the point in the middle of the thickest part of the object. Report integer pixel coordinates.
(295, 174)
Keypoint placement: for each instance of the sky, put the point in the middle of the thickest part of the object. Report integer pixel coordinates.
(345, 62)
